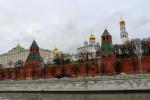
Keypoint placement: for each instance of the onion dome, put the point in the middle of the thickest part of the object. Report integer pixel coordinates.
(91, 37)
(56, 50)
(122, 21)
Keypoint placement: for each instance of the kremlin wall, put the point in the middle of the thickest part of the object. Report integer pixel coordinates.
(109, 59)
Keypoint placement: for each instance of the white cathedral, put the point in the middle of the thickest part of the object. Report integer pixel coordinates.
(89, 47)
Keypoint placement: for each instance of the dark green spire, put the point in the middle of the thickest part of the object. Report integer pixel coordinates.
(34, 44)
(34, 54)
(105, 33)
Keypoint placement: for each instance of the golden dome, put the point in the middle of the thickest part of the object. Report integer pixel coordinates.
(121, 20)
(56, 50)
(91, 37)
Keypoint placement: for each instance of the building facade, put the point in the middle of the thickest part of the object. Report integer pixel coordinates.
(19, 53)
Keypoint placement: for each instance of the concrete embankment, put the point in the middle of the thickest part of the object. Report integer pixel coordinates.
(98, 83)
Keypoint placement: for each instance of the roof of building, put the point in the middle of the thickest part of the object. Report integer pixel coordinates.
(34, 44)
(18, 48)
(34, 55)
(105, 32)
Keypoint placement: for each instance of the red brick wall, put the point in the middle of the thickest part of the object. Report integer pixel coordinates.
(48, 72)
(22, 73)
(128, 65)
(68, 70)
(107, 63)
(57, 71)
(28, 72)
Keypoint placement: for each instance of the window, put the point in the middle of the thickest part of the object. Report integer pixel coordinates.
(107, 38)
(103, 56)
(103, 38)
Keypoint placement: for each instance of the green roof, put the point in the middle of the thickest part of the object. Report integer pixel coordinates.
(105, 33)
(18, 48)
(34, 55)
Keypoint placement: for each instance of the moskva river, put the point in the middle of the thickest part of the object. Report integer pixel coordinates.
(120, 95)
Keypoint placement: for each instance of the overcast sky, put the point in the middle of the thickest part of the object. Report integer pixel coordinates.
(66, 24)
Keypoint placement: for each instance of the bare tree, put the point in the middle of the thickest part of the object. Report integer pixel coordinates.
(59, 59)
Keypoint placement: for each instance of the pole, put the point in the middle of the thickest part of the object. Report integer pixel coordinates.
(141, 71)
(99, 65)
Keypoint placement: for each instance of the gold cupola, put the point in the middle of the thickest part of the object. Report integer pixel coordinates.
(91, 37)
(56, 50)
(122, 21)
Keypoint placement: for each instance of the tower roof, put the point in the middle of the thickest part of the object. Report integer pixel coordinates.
(105, 32)
(34, 44)
(34, 56)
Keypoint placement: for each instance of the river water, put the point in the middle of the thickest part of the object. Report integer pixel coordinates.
(75, 95)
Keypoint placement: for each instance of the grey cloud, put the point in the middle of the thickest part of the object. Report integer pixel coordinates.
(67, 23)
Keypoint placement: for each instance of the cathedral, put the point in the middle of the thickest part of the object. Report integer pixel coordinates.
(90, 47)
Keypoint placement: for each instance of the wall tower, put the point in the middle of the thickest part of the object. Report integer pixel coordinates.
(34, 58)
(106, 44)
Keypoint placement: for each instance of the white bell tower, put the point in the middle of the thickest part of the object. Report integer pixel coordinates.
(123, 33)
